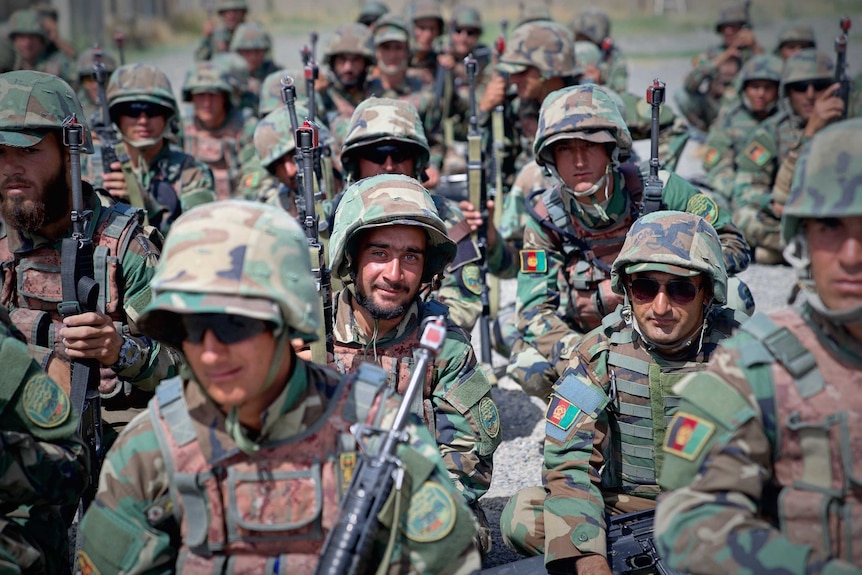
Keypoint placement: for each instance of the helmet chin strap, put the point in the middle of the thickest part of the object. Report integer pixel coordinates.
(603, 182)
(683, 344)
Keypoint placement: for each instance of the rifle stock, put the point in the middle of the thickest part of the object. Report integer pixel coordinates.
(841, 65)
(348, 545)
(653, 187)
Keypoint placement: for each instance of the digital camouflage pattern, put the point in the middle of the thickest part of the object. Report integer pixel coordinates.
(733, 128)
(564, 284)
(545, 45)
(607, 415)
(256, 252)
(43, 463)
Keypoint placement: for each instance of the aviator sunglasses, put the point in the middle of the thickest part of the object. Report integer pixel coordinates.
(378, 154)
(135, 109)
(227, 328)
(818, 85)
(644, 290)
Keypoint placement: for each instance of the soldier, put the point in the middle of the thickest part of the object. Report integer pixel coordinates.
(142, 106)
(239, 466)
(370, 12)
(700, 96)
(386, 137)
(276, 152)
(733, 128)
(763, 453)
(387, 240)
(601, 431)
(238, 72)
(36, 205)
(793, 38)
(426, 18)
(218, 129)
(594, 26)
(88, 93)
(30, 39)
(44, 461)
(349, 58)
(577, 227)
(673, 135)
(252, 42)
(810, 104)
(217, 36)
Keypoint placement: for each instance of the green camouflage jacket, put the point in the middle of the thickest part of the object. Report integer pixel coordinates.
(43, 462)
(209, 46)
(458, 408)
(737, 454)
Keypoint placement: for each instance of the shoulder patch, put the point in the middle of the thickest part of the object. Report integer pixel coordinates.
(703, 206)
(45, 403)
(251, 181)
(470, 279)
(431, 515)
(489, 417)
(687, 435)
(86, 565)
(562, 413)
(534, 261)
(711, 158)
(758, 153)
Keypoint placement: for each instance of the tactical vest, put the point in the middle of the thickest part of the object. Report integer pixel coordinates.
(816, 455)
(589, 254)
(264, 513)
(219, 149)
(642, 401)
(32, 283)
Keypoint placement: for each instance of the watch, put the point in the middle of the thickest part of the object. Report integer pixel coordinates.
(130, 353)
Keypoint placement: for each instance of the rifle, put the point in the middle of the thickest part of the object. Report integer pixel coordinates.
(313, 38)
(841, 65)
(653, 186)
(348, 546)
(631, 549)
(104, 129)
(80, 295)
(306, 142)
(119, 42)
(478, 197)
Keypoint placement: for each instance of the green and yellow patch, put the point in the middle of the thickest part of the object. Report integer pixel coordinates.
(470, 279)
(757, 153)
(703, 206)
(45, 403)
(561, 412)
(489, 417)
(687, 435)
(431, 515)
(534, 261)
(711, 158)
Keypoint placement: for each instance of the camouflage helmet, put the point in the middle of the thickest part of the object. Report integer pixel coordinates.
(826, 183)
(141, 83)
(390, 28)
(26, 22)
(638, 116)
(586, 112)
(225, 5)
(87, 59)
(533, 12)
(388, 200)
(270, 91)
(796, 32)
(544, 45)
(420, 9)
(35, 102)
(235, 65)
(465, 17)
(250, 36)
(587, 54)
(678, 243)
(762, 67)
(377, 120)
(208, 76)
(235, 257)
(352, 38)
(805, 65)
(371, 11)
(593, 25)
(273, 136)
(731, 14)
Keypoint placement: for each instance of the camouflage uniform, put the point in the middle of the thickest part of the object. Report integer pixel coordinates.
(733, 128)
(568, 250)
(371, 11)
(125, 257)
(456, 405)
(595, 26)
(379, 120)
(606, 417)
(337, 100)
(281, 489)
(219, 41)
(759, 160)
(251, 36)
(86, 60)
(763, 452)
(56, 63)
(424, 65)
(174, 181)
(673, 136)
(218, 148)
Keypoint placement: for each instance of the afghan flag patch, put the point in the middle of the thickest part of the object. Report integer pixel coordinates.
(712, 157)
(757, 153)
(687, 435)
(534, 261)
(561, 412)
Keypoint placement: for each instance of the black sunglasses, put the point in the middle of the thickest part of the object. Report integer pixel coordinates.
(644, 290)
(135, 109)
(468, 31)
(818, 85)
(378, 154)
(227, 328)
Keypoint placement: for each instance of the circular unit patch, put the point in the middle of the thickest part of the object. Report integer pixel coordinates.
(489, 416)
(45, 403)
(431, 515)
(470, 279)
